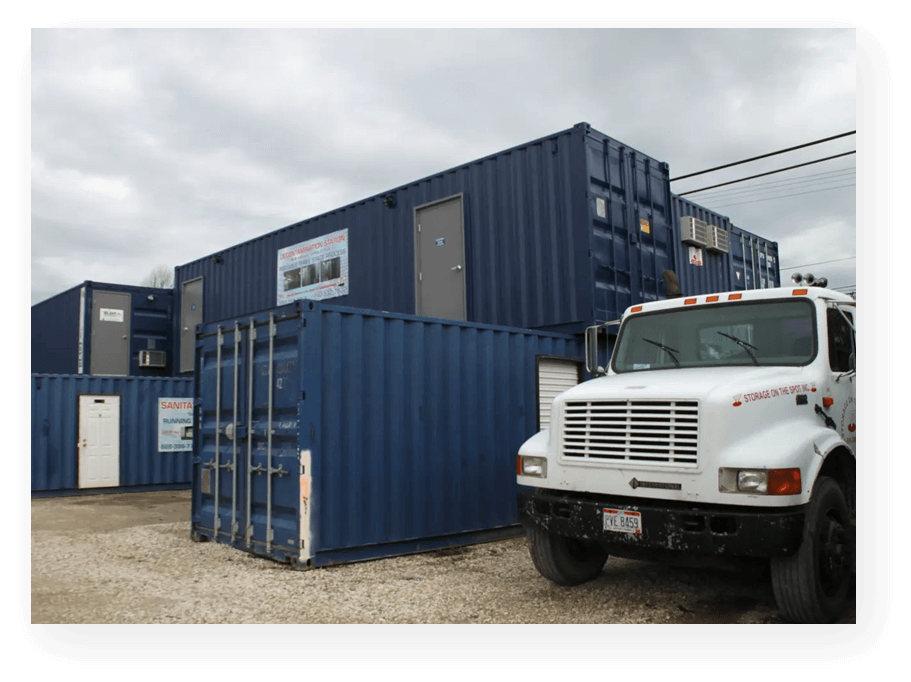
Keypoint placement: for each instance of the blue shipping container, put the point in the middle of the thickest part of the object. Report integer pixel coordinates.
(104, 329)
(554, 234)
(328, 434)
(751, 262)
(73, 451)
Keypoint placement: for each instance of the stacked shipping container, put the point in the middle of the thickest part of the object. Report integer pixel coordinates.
(556, 234)
(104, 329)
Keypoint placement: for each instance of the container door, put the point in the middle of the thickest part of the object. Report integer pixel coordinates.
(190, 316)
(248, 465)
(99, 441)
(440, 260)
(110, 333)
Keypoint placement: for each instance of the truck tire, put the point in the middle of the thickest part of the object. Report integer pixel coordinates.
(812, 585)
(565, 561)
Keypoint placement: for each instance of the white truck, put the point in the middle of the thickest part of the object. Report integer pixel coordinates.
(724, 425)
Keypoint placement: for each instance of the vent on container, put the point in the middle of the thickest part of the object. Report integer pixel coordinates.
(718, 239)
(694, 231)
(153, 358)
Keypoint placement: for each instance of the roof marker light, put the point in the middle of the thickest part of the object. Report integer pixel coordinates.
(799, 292)
(689, 301)
(635, 309)
(711, 299)
(735, 297)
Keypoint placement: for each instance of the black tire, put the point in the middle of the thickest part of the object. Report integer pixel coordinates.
(812, 585)
(565, 561)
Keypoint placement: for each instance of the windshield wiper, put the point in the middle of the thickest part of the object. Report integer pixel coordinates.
(743, 344)
(669, 351)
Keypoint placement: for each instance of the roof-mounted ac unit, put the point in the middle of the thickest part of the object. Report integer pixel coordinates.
(694, 231)
(153, 358)
(718, 239)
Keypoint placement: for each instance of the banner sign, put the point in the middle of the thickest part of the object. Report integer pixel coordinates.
(315, 269)
(175, 424)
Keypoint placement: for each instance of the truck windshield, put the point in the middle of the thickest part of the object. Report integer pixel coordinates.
(752, 333)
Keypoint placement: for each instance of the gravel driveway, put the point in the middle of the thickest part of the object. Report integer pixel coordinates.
(128, 558)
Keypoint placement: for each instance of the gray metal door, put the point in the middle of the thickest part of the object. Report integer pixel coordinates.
(190, 316)
(439, 253)
(110, 333)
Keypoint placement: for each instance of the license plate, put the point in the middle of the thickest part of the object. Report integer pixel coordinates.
(623, 521)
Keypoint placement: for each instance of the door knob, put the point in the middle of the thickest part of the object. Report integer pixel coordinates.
(457, 268)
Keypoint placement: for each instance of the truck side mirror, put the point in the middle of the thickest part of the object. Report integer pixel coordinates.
(591, 350)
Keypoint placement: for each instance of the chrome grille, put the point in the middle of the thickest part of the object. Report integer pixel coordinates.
(657, 432)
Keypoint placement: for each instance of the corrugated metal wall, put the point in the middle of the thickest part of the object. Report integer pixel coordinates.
(55, 334)
(558, 232)
(56, 331)
(55, 425)
(410, 426)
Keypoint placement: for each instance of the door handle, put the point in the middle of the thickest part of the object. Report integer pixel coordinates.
(456, 268)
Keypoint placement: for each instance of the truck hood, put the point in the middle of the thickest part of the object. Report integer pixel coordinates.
(694, 382)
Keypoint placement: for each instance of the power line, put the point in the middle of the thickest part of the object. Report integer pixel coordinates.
(783, 196)
(765, 156)
(777, 185)
(762, 175)
(825, 262)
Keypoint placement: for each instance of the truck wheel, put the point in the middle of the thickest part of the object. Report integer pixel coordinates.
(563, 560)
(812, 585)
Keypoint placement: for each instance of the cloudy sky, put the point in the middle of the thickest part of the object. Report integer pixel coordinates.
(159, 146)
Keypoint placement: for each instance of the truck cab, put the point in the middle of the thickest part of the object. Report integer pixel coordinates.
(723, 425)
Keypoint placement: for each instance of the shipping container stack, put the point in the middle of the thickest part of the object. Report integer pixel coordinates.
(362, 379)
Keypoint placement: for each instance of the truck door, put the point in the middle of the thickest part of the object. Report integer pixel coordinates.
(842, 353)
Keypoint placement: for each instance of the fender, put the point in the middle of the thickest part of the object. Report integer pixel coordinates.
(799, 443)
(823, 446)
(536, 446)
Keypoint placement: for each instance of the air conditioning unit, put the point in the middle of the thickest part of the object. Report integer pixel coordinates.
(153, 358)
(694, 231)
(718, 239)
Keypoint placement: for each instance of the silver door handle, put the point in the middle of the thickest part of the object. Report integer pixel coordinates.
(457, 268)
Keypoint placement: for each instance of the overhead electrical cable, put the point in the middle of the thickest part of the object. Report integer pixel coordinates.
(784, 196)
(812, 265)
(761, 175)
(765, 156)
(781, 184)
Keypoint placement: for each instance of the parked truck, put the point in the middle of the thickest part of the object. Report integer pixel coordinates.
(723, 425)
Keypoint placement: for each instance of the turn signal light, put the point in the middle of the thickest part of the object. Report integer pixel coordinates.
(784, 482)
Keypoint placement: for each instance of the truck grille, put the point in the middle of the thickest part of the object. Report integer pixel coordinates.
(659, 432)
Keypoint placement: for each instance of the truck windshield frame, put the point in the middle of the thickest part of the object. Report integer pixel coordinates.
(767, 333)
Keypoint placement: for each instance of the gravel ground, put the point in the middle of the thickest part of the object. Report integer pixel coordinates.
(129, 559)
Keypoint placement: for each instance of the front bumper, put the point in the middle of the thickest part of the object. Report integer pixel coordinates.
(666, 526)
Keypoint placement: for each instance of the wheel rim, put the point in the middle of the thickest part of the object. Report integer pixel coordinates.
(833, 554)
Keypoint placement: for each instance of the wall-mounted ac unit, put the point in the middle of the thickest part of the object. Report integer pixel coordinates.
(718, 239)
(694, 231)
(153, 358)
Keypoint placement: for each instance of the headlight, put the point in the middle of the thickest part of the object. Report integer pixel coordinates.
(759, 481)
(531, 466)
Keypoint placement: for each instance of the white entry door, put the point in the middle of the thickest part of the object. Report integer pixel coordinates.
(99, 441)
